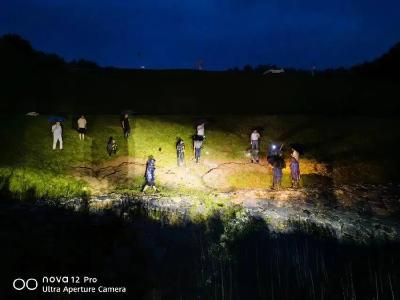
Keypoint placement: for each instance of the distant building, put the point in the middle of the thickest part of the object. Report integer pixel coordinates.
(274, 71)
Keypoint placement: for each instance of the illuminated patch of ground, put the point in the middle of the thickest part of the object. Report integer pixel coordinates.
(337, 151)
(208, 175)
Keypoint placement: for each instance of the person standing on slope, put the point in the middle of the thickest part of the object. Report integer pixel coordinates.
(82, 123)
(150, 174)
(180, 152)
(56, 129)
(126, 127)
(295, 168)
(255, 146)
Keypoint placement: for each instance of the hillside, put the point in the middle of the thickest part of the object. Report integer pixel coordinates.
(351, 150)
(35, 81)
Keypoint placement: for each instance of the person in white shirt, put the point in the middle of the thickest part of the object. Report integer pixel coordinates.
(56, 129)
(82, 127)
(254, 140)
(200, 129)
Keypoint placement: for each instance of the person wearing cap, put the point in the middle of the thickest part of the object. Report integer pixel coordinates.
(150, 174)
(82, 123)
(180, 152)
(56, 129)
(126, 127)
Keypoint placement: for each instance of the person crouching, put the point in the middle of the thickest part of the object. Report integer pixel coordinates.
(112, 146)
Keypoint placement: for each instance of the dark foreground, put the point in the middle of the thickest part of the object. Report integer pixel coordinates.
(217, 259)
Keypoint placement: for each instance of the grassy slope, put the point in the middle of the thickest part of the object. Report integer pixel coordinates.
(357, 149)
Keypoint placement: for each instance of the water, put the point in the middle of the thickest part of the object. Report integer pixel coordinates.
(216, 259)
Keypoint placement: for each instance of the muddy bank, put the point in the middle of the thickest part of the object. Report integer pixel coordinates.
(357, 213)
(221, 260)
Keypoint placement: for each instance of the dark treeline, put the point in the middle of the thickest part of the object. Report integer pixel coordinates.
(35, 81)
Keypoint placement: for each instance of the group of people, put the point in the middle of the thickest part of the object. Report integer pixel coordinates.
(275, 159)
(198, 140)
(274, 156)
(81, 126)
(57, 131)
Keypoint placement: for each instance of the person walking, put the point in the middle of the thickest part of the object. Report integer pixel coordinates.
(150, 174)
(126, 127)
(56, 129)
(180, 152)
(82, 123)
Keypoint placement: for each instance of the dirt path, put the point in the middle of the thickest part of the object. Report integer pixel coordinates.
(208, 175)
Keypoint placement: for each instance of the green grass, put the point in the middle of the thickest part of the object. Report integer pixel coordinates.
(356, 149)
(27, 183)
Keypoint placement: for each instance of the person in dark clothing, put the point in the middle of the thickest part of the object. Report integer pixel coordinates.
(277, 163)
(254, 156)
(126, 127)
(180, 152)
(112, 146)
(150, 174)
(197, 145)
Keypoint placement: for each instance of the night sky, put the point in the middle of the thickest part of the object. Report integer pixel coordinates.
(222, 33)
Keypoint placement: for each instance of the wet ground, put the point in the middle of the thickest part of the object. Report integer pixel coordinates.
(208, 175)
